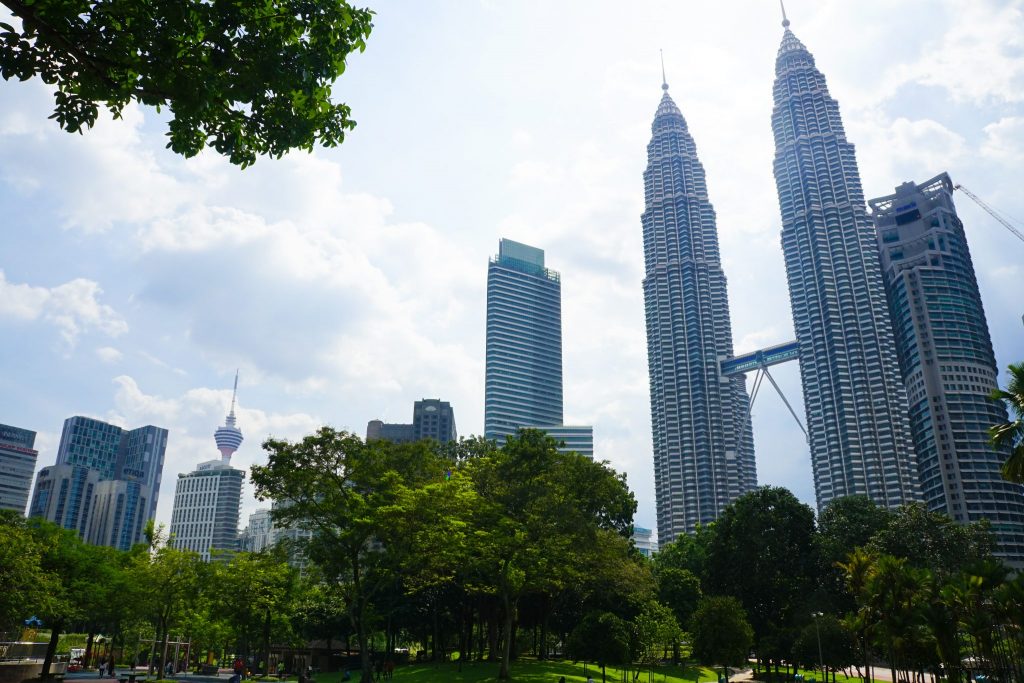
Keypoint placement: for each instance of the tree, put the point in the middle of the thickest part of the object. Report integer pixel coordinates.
(679, 590)
(1011, 434)
(73, 568)
(844, 525)
(255, 594)
(827, 642)
(720, 632)
(931, 540)
(539, 514)
(654, 629)
(601, 637)
(27, 587)
(763, 554)
(687, 551)
(172, 579)
(354, 497)
(248, 78)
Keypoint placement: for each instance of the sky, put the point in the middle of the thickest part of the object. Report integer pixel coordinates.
(347, 283)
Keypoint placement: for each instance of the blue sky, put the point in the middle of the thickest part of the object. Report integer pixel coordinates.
(348, 283)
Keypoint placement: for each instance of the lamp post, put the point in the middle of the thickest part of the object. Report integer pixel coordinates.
(817, 632)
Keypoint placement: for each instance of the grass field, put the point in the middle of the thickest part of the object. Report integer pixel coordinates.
(529, 671)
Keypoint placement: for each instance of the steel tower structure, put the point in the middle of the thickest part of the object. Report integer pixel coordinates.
(703, 447)
(855, 402)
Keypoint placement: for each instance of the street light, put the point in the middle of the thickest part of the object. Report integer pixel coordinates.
(817, 632)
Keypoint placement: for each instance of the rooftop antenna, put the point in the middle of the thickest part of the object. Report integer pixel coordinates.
(785, 20)
(664, 81)
(234, 393)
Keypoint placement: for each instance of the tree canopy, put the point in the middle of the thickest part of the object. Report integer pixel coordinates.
(247, 78)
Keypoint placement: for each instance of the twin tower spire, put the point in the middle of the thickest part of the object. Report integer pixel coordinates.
(854, 398)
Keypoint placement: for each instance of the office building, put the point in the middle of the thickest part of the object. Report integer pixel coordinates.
(856, 405)
(92, 452)
(206, 508)
(17, 463)
(63, 495)
(523, 381)
(207, 500)
(432, 418)
(118, 513)
(258, 533)
(946, 359)
(643, 540)
(703, 445)
(572, 438)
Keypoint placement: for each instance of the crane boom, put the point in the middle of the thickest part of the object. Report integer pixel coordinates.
(991, 211)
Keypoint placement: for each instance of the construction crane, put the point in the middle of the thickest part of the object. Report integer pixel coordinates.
(991, 211)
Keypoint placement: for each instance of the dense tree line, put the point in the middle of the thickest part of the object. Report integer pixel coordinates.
(477, 552)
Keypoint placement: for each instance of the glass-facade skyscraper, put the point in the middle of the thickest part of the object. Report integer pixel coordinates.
(946, 357)
(523, 382)
(856, 404)
(106, 481)
(703, 447)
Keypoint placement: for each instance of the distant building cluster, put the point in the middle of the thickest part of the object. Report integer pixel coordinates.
(896, 362)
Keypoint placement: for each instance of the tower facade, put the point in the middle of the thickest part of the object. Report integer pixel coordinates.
(946, 358)
(207, 500)
(17, 463)
(523, 383)
(703, 447)
(855, 402)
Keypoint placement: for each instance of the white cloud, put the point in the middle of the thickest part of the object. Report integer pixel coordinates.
(979, 59)
(108, 354)
(1004, 140)
(72, 307)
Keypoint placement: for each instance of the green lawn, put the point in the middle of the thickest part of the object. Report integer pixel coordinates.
(529, 671)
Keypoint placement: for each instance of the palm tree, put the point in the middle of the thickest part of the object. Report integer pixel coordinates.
(1011, 434)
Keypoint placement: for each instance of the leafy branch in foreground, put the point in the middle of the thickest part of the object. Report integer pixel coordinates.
(247, 78)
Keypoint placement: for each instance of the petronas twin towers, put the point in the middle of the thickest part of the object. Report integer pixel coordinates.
(854, 397)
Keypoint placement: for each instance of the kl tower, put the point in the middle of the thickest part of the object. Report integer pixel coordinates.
(229, 437)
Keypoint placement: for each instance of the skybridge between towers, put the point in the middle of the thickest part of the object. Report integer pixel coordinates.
(759, 361)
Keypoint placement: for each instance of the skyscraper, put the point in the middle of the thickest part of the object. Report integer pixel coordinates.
(207, 500)
(946, 357)
(703, 447)
(523, 383)
(17, 463)
(105, 483)
(855, 402)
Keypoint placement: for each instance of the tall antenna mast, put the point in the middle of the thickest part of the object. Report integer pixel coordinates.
(234, 393)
